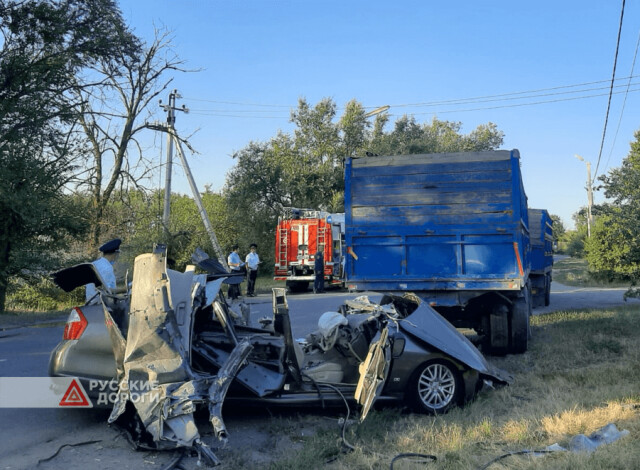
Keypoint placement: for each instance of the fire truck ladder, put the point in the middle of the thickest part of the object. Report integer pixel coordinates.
(320, 237)
(282, 247)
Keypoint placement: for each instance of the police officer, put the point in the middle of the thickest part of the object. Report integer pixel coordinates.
(236, 265)
(252, 260)
(104, 265)
(318, 269)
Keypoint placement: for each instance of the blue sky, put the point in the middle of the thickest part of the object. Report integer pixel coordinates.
(257, 58)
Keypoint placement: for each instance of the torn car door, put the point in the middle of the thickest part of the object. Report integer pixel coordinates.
(373, 372)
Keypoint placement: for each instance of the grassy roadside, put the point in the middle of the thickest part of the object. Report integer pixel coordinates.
(17, 318)
(575, 272)
(580, 374)
(264, 284)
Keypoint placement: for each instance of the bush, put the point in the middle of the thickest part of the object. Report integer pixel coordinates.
(575, 244)
(40, 294)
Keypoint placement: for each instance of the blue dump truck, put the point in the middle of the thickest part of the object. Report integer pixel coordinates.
(541, 234)
(453, 229)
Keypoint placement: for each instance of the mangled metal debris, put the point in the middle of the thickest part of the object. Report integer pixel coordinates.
(178, 344)
(156, 352)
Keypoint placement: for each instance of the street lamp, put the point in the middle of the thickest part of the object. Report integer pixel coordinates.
(379, 110)
(371, 113)
(589, 194)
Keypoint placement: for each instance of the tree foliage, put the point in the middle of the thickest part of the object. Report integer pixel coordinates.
(114, 109)
(410, 137)
(45, 44)
(558, 227)
(614, 246)
(136, 217)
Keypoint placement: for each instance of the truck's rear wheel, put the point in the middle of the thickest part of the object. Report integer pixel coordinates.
(499, 330)
(547, 290)
(519, 325)
(297, 286)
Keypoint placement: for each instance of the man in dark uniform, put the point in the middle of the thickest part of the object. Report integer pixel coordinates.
(318, 269)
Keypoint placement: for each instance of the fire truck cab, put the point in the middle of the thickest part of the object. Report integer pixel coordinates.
(299, 235)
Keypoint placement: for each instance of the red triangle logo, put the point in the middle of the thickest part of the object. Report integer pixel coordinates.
(75, 396)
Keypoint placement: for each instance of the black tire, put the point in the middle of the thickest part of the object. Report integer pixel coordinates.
(547, 291)
(297, 286)
(436, 387)
(519, 328)
(498, 335)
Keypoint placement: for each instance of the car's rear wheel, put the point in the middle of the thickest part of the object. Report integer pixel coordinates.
(436, 387)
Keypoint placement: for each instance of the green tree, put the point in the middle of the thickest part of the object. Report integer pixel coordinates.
(410, 137)
(558, 228)
(136, 217)
(614, 246)
(113, 112)
(45, 45)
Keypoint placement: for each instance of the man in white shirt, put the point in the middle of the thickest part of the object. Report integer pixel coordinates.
(252, 260)
(104, 265)
(234, 262)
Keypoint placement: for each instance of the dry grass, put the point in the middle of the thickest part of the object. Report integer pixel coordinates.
(580, 373)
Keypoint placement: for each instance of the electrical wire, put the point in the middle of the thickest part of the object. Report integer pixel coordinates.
(613, 77)
(624, 102)
(510, 96)
(316, 385)
(436, 103)
(518, 105)
(447, 111)
(416, 458)
(345, 443)
(503, 97)
(519, 452)
(66, 445)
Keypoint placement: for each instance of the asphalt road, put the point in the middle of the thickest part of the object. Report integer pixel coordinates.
(27, 435)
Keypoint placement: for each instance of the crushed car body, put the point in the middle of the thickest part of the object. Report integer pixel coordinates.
(176, 332)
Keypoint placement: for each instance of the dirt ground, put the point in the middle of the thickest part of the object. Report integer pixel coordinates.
(254, 442)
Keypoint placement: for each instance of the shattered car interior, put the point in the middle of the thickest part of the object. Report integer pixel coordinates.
(176, 331)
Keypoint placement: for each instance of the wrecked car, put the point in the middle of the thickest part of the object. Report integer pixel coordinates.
(177, 331)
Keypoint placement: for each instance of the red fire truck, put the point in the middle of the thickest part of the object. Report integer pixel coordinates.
(299, 234)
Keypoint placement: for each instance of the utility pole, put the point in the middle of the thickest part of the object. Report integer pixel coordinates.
(589, 195)
(172, 138)
(171, 120)
(198, 199)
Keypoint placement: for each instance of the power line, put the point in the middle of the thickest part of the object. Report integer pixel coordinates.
(522, 104)
(488, 99)
(230, 114)
(624, 102)
(613, 77)
(263, 114)
(535, 92)
(512, 96)
(241, 103)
